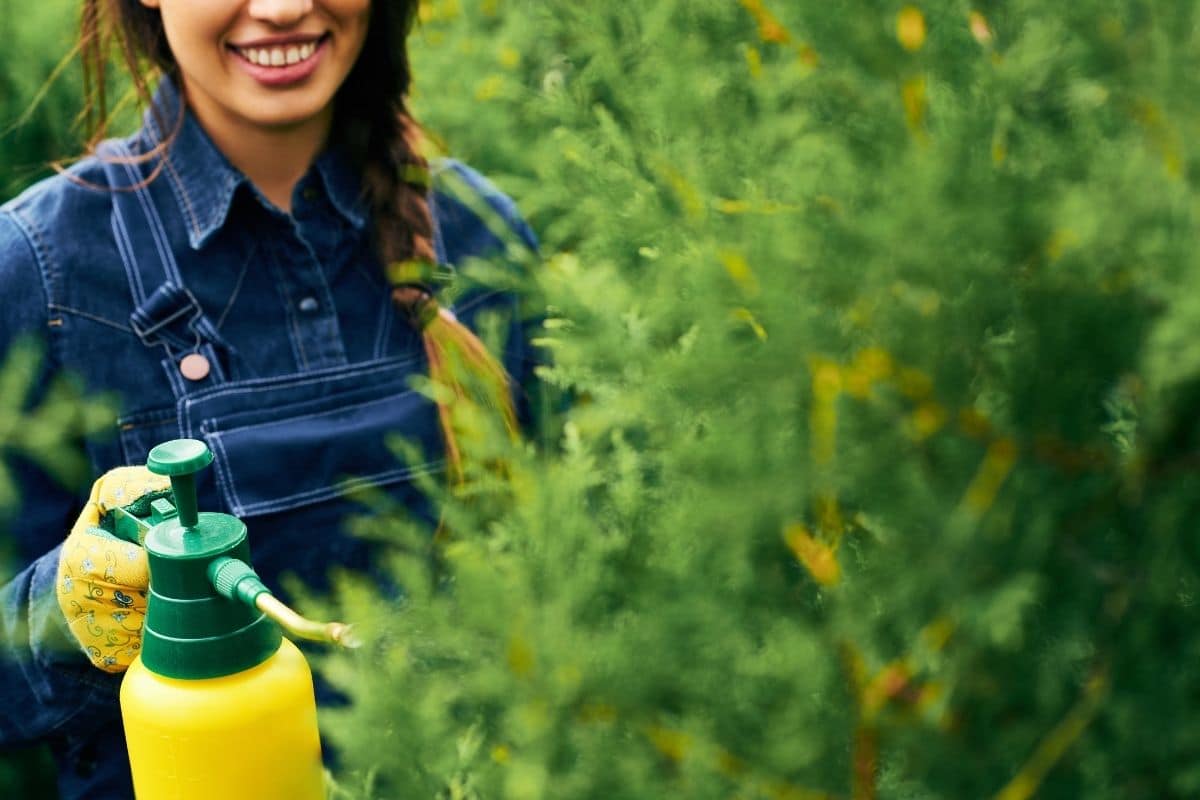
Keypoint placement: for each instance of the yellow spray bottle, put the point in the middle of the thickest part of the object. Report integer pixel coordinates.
(218, 706)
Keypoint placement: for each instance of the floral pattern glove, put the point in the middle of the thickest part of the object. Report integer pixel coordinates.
(102, 580)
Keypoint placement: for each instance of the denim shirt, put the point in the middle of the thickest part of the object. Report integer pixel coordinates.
(310, 370)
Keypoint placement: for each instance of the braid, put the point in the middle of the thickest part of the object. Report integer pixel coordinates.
(458, 361)
(376, 129)
(398, 185)
(414, 188)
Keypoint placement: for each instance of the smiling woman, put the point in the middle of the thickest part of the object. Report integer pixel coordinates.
(254, 267)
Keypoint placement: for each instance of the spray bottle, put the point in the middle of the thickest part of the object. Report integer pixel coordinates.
(218, 704)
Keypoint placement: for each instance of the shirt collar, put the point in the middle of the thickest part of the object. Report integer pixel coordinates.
(204, 182)
(343, 185)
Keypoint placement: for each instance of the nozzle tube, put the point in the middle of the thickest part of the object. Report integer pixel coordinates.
(237, 580)
(338, 633)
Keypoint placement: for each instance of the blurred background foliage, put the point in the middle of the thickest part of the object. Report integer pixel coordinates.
(881, 471)
(878, 479)
(40, 88)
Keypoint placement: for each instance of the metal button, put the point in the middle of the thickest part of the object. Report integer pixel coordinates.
(194, 367)
(308, 305)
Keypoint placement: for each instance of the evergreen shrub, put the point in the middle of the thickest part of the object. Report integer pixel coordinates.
(878, 327)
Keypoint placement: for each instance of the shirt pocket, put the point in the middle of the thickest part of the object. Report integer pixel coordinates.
(291, 443)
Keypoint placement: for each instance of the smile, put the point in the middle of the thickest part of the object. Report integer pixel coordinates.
(278, 55)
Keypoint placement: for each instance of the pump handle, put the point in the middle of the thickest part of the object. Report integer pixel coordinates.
(180, 460)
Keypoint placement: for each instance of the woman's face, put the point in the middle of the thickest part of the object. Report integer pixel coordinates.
(263, 64)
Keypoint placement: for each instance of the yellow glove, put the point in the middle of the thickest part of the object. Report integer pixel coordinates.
(102, 580)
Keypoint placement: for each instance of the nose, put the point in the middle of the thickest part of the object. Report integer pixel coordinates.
(280, 12)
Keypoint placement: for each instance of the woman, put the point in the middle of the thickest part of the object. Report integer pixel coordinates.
(252, 267)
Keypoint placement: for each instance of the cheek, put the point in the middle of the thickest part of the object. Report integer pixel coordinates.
(356, 18)
(193, 26)
(355, 12)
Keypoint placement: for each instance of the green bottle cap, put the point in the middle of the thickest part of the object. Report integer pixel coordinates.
(192, 631)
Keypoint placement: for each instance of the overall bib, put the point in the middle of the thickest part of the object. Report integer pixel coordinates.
(289, 448)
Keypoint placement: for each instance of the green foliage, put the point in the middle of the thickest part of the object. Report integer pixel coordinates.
(48, 434)
(39, 89)
(28, 772)
(879, 327)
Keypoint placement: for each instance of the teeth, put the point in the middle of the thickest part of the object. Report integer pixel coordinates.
(278, 56)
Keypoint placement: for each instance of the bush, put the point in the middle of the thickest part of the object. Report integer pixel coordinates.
(878, 321)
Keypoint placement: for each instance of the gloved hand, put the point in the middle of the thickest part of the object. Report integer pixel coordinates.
(102, 580)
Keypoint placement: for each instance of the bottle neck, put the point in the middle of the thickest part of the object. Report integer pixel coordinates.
(191, 631)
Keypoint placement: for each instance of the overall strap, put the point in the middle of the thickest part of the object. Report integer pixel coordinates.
(165, 312)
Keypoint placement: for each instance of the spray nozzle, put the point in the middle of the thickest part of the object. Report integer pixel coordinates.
(237, 580)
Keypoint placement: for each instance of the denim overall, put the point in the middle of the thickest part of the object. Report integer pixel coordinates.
(296, 423)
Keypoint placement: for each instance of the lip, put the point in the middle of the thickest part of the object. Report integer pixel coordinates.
(286, 75)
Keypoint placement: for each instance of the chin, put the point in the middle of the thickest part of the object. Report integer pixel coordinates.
(284, 119)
